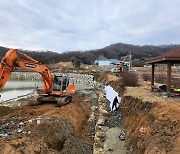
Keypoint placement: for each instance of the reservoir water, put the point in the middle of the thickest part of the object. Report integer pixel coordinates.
(16, 88)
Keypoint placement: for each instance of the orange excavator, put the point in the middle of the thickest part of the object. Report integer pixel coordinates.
(56, 88)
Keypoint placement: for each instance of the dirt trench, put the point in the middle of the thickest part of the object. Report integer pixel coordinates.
(47, 128)
(151, 122)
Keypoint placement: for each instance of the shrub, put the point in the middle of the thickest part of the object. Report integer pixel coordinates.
(129, 79)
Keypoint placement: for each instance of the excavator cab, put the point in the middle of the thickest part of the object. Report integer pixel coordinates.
(61, 93)
(60, 83)
(57, 83)
(61, 86)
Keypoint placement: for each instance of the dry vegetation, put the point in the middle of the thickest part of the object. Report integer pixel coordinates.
(162, 79)
(129, 79)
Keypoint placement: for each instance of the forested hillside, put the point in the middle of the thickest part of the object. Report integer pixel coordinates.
(3, 50)
(113, 51)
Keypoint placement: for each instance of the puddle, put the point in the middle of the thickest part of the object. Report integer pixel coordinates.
(110, 95)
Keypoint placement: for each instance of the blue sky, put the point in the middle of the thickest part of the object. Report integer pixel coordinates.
(64, 25)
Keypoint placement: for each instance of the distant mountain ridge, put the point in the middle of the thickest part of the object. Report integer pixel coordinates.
(145, 49)
(112, 51)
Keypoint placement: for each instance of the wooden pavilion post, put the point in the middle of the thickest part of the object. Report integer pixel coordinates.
(152, 77)
(169, 64)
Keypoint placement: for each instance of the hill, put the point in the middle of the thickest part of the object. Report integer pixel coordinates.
(112, 51)
(138, 51)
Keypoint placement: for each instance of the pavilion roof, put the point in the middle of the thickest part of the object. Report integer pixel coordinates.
(173, 56)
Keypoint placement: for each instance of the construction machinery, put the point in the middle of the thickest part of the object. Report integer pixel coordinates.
(55, 88)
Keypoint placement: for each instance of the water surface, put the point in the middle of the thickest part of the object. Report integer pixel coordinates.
(16, 88)
(18, 84)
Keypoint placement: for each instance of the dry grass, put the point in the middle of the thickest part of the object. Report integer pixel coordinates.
(146, 77)
(161, 68)
(162, 79)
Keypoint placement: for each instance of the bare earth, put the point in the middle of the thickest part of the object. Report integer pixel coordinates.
(47, 128)
(152, 120)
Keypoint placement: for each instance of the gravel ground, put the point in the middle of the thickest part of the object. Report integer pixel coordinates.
(113, 145)
(114, 119)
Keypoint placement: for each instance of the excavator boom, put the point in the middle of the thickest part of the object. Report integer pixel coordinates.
(7, 66)
(11, 60)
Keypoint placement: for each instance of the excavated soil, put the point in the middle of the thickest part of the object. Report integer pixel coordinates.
(150, 119)
(47, 128)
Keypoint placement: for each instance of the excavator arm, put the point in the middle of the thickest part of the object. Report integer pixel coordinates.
(12, 60)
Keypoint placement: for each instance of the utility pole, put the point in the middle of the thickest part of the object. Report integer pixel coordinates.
(130, 56)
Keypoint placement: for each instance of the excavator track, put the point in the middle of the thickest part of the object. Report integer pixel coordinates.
(34, 101)
(60, 101)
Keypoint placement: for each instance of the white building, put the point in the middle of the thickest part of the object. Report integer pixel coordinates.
(106, 62)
